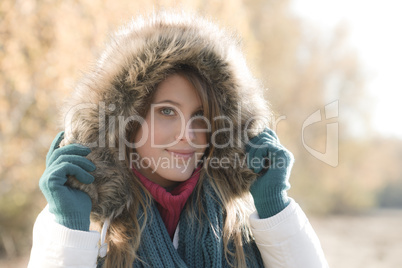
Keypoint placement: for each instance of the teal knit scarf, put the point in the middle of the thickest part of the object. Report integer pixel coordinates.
(198, 247)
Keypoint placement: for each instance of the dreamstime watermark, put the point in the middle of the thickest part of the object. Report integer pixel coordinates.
(111, 131)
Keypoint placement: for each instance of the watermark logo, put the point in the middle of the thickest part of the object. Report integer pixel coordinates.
(233, 133)
(331, 154)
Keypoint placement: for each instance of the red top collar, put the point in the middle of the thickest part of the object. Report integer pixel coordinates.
(170, 204)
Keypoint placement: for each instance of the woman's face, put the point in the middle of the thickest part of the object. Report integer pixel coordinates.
(173, 137)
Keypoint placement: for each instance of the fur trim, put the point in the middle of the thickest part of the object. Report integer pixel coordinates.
(138, 57)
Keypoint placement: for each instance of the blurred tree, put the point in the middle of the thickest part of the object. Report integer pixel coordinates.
(390, 196)
(390, 191)
(305, 70)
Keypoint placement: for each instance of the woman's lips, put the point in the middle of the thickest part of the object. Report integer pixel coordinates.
(185, 154)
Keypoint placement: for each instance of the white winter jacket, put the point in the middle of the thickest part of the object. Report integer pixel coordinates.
(284, 240)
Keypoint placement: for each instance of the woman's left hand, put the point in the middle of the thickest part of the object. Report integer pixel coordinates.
(273, 163)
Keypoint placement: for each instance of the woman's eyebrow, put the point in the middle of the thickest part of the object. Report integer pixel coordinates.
(168, 101)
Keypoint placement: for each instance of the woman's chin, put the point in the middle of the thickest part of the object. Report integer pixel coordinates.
(178, 174)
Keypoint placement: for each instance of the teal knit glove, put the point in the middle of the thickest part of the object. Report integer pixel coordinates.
(71, 207)
(273, 163)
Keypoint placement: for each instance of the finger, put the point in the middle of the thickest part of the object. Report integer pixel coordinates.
(55, 144)
(256, 149)
(268, 136)
(254, 143)
(255, 156)
(265, 142)
(51, 178)
(262, 151)
(271, 133)
(265, 136)
(282, 155)
(266, 163)
(80, 161)
(71, 149)
(63, 170)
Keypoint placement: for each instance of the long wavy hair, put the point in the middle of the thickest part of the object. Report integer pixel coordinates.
(124, 234)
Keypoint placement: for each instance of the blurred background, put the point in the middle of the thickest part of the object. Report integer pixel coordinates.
(332, 71)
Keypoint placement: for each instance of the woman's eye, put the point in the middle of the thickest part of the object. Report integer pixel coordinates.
(199, 113)
(199, 121)
(167, 111)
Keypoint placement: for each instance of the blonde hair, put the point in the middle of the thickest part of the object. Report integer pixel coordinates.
(124, 234)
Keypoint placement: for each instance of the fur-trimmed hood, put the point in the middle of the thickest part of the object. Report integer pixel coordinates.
(137, 58)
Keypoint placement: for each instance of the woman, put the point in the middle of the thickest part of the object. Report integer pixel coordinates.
(156, 157)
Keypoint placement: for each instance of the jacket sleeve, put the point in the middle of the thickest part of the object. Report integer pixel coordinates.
(57, 246)
(287, 240)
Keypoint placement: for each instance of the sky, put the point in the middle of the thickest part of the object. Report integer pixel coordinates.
(375, 32)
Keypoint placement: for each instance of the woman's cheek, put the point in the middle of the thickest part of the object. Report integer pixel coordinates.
(164, 129)
(161, 123)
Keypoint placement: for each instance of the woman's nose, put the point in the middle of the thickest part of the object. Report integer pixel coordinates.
(186, 132)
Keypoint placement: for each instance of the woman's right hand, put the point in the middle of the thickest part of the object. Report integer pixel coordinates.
(71, 207)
